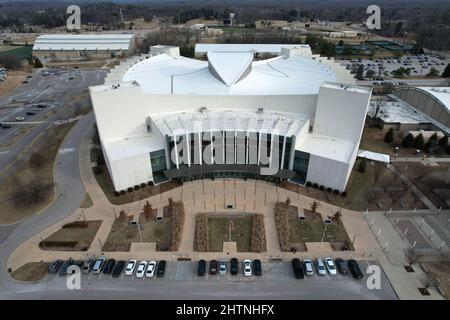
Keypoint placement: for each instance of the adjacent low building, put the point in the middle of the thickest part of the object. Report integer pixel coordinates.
(163, 116)
(78, 47)
(432, 102)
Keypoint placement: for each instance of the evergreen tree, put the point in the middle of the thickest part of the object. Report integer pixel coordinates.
(389, 137)
(362, 165)
(360, 72)
(443, 142)
(446, 73)
(408, 141)
(419, 142)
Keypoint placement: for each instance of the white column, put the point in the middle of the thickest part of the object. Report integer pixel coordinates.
(176, 152)
(282, 153)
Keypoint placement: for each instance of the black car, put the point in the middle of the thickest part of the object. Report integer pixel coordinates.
(234, 266)
(65, 265)
(213, 267)
(341, 266)
(118, 268)
(355, 270)
(109, 266)
(257, 270)
(54, 267)
(161, 269)
(30, 113)
(201, 268)
(297, 267)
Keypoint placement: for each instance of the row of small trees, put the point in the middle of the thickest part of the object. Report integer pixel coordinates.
(176, 225)
(282, 224)
(201, 242)
(258, 240)
(418, 142)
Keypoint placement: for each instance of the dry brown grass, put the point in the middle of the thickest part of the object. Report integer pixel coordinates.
(282, 223)
(258, 241)
(14, 79)
(177, 222)
(32, 271)
(201, 242)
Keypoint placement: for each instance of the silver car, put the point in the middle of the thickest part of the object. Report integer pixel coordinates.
(222, 267)
(320, 265)
(308, 267)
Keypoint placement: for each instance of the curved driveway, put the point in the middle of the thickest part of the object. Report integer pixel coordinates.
(70, 193)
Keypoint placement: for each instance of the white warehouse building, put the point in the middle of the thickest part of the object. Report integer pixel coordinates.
(163, 116)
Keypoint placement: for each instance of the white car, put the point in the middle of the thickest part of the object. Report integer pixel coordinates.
(131, 265)
(151, 267)
(20, 118)
(308, 267)
(331, 267)
(247, 267)
(141, 269)
(222, 267)
(320, 267)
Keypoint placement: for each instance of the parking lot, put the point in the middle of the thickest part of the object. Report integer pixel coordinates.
(420, 65)
(181, 282)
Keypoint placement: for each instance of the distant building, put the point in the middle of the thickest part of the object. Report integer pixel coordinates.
(79, 47)
(163, 116)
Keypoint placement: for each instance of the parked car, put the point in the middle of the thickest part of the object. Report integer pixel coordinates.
(331, 267)
(5, 126)
(247, 267)
(20, 119)
(201, 268)
(161, 270)
(30, 113)
(257, 269)
(65, 265)
(213, 267)
(308, 267)
(321, 271)
(98, 266)
(222, 267)
(354, 268)
(54, 267)
(341, 266)
(151, 267)
(297, 268)
(86, 268)
(140, 271)
(109, 266)
(234, 266)
(118, 268)
(131, 265)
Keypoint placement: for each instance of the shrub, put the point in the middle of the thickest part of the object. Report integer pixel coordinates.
(389, 137)
(315, 185)
(122, 192)
(362, 165)
(321, 188)
(201, 242)
(116, 194)
(336, 192)
(419, 142)
(282, 224)
(258, 240)
(75, 225)
(148, 211)
(136, 188)
(308, 184)
(130, 190)
(344, 194)
(98, 170)
(143, 185)
(329, 190)
(408, 141)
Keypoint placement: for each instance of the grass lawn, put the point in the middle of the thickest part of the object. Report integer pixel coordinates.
(312, 229)
(77, 239)
(122, 233)
(219, 231)
(378, 185)
(32, 271)
(373, 140)
(12, 211)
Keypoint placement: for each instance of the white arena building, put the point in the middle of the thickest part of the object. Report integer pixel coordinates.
(297, 116)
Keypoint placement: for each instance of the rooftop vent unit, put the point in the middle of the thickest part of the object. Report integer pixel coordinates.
(203, 110)
(260, 110)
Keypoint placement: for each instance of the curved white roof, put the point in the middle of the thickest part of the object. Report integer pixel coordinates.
(440, 93)
(165, 74)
